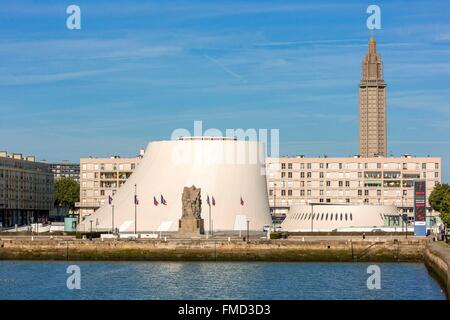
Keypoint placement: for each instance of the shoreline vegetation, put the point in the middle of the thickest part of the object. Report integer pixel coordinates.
(435, 256)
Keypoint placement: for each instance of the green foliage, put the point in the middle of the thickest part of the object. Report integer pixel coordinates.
(440, 201)
(94, 235)
(278, 235)
(66, 193)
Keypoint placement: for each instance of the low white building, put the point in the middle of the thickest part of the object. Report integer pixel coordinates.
(337, 217)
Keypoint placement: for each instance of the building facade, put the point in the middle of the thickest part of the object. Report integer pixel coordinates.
(372, 105)
(65, 169)
(101, 178)
(26, 190)
(353, 180)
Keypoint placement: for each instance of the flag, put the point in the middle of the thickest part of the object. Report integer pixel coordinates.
(163, 201)
(207, 201)
(155, 202)
(110, 199)
(242, 202)
(136, 200)
(213, 201)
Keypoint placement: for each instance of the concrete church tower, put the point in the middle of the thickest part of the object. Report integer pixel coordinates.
(372, 105)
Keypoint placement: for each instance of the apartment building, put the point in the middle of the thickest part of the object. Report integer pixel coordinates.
(65, 169)
(100, 178)
(354, 180)
(26, 190)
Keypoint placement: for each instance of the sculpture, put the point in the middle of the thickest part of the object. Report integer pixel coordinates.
(192, 202)
(191, 221)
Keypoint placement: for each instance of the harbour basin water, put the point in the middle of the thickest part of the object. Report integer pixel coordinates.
(215, 280)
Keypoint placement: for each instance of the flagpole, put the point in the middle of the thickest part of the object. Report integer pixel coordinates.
(112, 218)
(210, 225)
(135, 210)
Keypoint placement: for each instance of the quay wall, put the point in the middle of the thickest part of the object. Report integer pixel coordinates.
(214, 250)
(437, 260)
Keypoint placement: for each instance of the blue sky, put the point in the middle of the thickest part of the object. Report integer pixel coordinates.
(137, 70)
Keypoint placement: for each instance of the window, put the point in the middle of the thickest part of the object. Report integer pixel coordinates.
(321, 175)
(351, 216)
(283, 192)
(302, 193)
(308, 192)
(289, 174)
(308, 174)
(283, 174)
(308, 166)
(424, 166)
(270, 192)
(290, 166)
(340, 166)
(436, 166)
(321, 165)
(328, 183)
(366, 192)
(341, 183)
(289, 192)
(359, 192)
(133, 166)
(302, 174)
(436, 174)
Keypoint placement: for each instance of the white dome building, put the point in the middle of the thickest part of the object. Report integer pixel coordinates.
(337, 217)
(230, 171)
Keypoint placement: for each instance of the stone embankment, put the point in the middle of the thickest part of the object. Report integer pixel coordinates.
(214, 250)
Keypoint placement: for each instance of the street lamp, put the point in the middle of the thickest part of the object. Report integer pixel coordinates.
(112, 219)
(248, 231)
(312, 215)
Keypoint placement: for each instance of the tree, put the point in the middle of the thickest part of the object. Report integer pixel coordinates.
(66, 193)
(440, 201)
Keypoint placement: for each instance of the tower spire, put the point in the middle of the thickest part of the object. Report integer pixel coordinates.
(372, 105)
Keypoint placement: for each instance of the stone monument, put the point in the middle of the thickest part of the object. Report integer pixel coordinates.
(191, 221)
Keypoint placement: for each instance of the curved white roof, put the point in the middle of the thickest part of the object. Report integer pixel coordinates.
(226, 169)
(330, 217)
